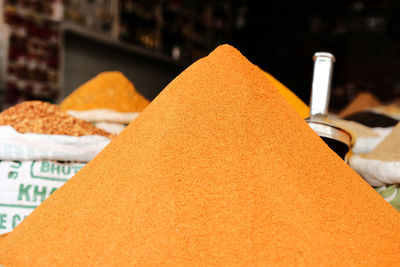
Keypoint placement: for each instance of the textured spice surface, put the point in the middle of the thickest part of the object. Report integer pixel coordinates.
(389, 148)
(45, 118)
(291, 97)
(108, 90)
(218, 170)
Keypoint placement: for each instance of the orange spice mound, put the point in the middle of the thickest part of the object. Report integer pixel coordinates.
(218, 170)
(45, 118)
(108, 90)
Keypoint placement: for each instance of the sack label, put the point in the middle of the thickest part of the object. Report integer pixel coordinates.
(24, 185)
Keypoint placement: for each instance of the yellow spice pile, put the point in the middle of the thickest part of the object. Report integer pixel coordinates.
(45, 118)
(108, 90)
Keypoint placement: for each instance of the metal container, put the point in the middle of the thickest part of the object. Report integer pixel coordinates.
(338, 139)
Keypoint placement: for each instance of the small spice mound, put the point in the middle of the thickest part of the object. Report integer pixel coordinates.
(45, 118)
(361, 102)
(108, 90)
(389, 148)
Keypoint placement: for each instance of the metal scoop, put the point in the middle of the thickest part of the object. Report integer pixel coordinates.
(338, 139)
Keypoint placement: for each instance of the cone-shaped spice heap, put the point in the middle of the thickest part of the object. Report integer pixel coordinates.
(108, 90)
(361, 102)
(220, 170)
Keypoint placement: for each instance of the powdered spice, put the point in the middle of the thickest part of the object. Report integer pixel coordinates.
(218, 170)
(361, 102)
(108, 90)
(291, 97)
(45, 118)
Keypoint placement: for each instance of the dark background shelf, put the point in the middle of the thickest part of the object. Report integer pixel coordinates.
(152, 41)
(150, 72)
(364, 36)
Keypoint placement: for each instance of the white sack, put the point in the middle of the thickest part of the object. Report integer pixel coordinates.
(24, 185)
(365, 144)
(376, 172)
(31, 146)
(110, 127)
(107, 115)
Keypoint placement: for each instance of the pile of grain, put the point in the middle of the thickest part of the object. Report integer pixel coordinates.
(45, 118)
(218, 170)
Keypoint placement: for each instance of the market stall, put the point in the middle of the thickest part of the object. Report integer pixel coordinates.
(210, 165)
(148, 133)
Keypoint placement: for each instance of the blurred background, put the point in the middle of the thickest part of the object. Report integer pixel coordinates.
(50, 47)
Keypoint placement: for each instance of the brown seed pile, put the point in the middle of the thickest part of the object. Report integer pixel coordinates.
(45, 118)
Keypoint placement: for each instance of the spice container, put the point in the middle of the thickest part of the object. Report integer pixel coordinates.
(338, 139)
